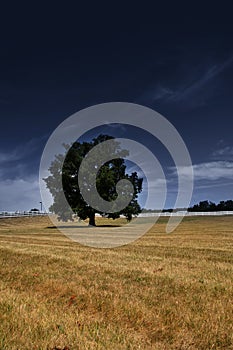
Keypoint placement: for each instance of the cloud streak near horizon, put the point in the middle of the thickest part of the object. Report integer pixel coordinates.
(215, 170)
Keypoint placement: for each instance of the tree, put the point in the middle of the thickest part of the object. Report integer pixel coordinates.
(107, 178)
(203, 206)
(210, 206)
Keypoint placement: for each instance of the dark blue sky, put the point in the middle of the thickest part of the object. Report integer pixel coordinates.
(56, 60)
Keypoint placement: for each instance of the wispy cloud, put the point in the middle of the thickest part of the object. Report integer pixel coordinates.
(161, 93)
(225, 152)
(21, 151)
(214, 185)
(209, 171)
(189, 85)
(199, 83)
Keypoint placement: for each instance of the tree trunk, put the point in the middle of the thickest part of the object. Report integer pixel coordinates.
(92, 219)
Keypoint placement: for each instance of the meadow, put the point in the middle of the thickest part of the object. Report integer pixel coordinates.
(163, 291)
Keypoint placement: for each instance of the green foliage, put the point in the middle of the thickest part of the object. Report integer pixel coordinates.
(107, 178)
(210, 206)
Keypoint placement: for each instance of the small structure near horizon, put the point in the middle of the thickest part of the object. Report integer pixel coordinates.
(34, 210)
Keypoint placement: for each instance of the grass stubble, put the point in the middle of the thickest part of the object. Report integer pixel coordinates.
(163, 291)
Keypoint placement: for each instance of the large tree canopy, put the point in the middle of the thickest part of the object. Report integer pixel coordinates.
(107, 177)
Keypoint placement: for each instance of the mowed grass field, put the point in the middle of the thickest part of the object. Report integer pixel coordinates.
(163, 291)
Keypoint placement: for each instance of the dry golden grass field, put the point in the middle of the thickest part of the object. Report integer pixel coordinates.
(163, 291)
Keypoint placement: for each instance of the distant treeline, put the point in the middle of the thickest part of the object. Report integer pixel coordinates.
(164, 210)
(210, 206)
(201, 207)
